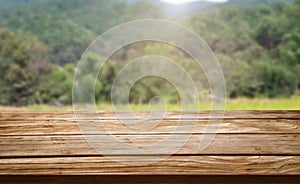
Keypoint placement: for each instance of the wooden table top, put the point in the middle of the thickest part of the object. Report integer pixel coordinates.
(265, 143)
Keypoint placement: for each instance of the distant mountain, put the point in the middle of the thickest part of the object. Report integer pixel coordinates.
(5, 4)
(184, 11)
(68, 26)
(174, 11)
(251, 2)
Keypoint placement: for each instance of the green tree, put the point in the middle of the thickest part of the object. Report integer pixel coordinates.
(277, 80)
(21, 61)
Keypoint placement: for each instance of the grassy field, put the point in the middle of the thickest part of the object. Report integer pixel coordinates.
(264, 104)
(231, 104)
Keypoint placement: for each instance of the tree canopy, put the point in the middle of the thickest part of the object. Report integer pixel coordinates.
(41, 41)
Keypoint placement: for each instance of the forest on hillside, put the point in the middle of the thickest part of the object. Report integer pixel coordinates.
(258, 47)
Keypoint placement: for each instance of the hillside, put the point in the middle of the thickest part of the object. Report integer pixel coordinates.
(67, 27)
(41, 41)
(185, 11)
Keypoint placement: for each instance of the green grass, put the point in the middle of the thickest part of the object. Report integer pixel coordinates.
(46, 107)
(264, 104)
(231, 104)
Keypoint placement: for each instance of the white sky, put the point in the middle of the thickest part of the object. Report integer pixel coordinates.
(188, 1)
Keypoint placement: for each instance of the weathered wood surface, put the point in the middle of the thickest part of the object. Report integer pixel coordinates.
(174, 165)
(223, 144)
(247, 143)
(70, 127)
(53, 115)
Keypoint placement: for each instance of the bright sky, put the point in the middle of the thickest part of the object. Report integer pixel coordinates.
(188, 1)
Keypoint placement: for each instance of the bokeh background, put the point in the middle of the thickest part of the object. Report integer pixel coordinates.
(257, 43)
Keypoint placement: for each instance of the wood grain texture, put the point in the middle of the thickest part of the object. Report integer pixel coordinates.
(265, 143)
(174, 165)
(236, 144)
(71, 127)
(69, 115)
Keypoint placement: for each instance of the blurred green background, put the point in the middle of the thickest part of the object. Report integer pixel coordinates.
(256, 41)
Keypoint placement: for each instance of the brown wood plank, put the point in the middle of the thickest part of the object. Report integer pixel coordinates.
(69, 115)
(248, 143)
(70, 127)
(174, 165)
(236, 144)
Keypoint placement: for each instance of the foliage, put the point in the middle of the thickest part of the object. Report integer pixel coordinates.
(21, 62)
(41, 41)
(67, 27)
(258, 47)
